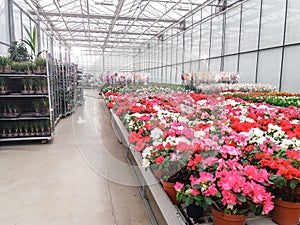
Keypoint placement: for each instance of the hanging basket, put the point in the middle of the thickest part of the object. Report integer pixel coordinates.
(286, 213)
(226, 219)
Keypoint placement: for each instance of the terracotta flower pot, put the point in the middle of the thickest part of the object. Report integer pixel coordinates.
(226, 219)
(158, 173)
(297, 193)
(169, 189)
(286, 213)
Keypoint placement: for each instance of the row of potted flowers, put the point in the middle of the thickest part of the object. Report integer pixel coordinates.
(284, 99)
(241, 87)
(209, 88)
(222, 152)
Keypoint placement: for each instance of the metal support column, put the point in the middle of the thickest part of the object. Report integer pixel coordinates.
(38, 36)
(11, 26)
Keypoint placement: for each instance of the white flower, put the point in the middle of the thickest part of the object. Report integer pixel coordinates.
(156, 107)
(172, 140)
(256, 132)
(294, 121)
(156, 133)
(183, 139)
(147, 152)
(156, 142)
(199, 134)
(183, 119)
(202, 102)
(145, 162)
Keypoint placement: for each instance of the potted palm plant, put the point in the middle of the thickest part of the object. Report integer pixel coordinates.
(37, 107)
(21, 129)
(26, 128)
(6, 64)
(44, 86)
(40, 64)
(30, 82)
(3, 85)
(25, 86)
(4, 130)
(1, 65)
(39, 86)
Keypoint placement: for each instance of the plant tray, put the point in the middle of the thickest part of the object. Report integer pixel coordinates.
(10, 115)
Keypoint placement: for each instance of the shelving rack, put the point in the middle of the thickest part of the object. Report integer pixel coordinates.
(79, 87)
(54, 90)
(32, 113)
(25, 108)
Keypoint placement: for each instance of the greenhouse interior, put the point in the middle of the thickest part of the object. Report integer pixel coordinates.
(150, 112)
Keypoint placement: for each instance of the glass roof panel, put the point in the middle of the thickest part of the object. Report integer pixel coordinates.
(109, 23)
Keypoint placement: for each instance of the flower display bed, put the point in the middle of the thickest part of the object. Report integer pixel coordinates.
(223, 152)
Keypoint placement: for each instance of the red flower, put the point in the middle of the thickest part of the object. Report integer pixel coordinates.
(159, 159)
(109, 105)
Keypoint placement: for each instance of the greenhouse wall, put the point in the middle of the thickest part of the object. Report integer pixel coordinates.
(259, 39)
(12, 29)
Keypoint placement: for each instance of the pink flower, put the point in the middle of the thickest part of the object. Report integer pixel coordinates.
(268, 206)
(182, 147)
(178, 186)
(228, 198)
(194, 180)
(206, 177)
(188, 133)
(211, 191)
(194, 191)
(227, 150)
(140, 145)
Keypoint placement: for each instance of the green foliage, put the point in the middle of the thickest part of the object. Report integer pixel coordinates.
(3, 82)
(32, 41)
(18, 52)
(4, 61)
(40, 62)
(272, 100)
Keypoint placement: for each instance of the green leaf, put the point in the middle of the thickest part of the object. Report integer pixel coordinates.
(197, 186)
(241, 197)
(218, 195)
(179, 196)
(278, 180)
(244, 211)
(293, 184)
(258, 210)
(199, 197)
(189, 200)
(205, 205)
(208, 200)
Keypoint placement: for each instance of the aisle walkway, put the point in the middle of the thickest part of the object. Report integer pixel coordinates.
(81, 178)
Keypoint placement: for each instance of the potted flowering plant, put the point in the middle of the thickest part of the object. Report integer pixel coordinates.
(229, 187)
(284, 167)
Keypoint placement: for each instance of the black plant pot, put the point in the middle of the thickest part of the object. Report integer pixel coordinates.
(194, 211)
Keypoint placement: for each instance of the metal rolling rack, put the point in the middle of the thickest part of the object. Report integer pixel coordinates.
(25, 109)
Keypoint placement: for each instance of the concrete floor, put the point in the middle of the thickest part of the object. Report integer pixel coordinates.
(80, 178)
